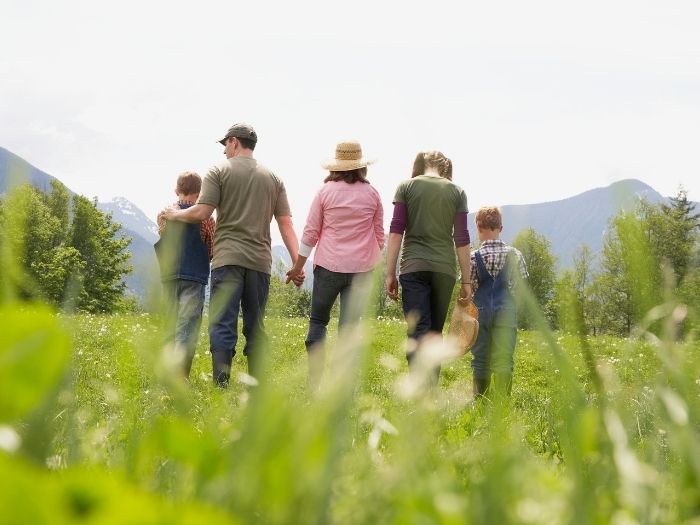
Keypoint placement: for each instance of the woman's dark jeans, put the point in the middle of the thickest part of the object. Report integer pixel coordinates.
(427, 296)
(327, 286)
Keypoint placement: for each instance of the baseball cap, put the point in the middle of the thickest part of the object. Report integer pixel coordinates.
(240, 131)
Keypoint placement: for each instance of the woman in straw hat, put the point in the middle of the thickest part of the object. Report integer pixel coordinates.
(430, 217)
(345, 224)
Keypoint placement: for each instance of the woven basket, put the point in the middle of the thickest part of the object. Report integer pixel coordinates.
(464, 325)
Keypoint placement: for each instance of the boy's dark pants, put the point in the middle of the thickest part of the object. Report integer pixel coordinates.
(327, 286)
(427, 295)
(235, 288)
(185, 300)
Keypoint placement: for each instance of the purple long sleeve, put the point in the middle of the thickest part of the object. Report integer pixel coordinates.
(461, 232)
(398, 220)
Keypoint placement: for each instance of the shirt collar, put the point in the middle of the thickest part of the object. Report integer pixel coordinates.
(185, 203)
(492, 242)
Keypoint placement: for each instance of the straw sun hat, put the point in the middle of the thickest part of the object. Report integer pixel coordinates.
(464, 325)
(348, 156)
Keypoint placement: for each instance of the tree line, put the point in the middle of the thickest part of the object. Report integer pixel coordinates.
(62, 249)
(650, 256)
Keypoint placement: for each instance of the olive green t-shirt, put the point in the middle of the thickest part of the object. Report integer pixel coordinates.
(246, 196)
(431, 204)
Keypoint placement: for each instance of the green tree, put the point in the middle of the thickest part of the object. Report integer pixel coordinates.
(59, 203)
(680, 235)
(630, 280)
(104, 256)
(32, 234)
(583, 276)
(52, 244)
(537, 252)
(639, 244)
(566, 301)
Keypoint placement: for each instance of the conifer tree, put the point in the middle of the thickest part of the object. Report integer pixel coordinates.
(537, 252)
(94, 235)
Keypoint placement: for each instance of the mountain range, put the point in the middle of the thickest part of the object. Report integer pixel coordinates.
(567, 223)
(577, 220)
(134, 223)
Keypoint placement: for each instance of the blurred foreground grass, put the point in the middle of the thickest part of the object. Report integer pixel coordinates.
(605, 431)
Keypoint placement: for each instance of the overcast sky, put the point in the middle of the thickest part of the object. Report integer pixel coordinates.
(533, 101)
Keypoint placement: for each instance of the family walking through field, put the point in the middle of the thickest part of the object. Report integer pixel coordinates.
(428, 239)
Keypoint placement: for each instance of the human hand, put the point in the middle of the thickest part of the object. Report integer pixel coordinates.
(168, 213)
(300, 279)
(296, 275)
(392, 287)
(465, 294)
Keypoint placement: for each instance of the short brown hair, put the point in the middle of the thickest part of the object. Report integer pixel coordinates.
(188, 183)
(489, 218)
(349, 176)
(432, 159)
(247, 143)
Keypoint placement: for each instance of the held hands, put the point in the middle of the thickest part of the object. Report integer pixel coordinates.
(392, 287)
(296, 275)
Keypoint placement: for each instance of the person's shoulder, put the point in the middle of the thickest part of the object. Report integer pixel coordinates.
(325, 188)
(372, 190)
(262, 169)
(403, 189)
(514, 251)
(218, 168)
(368, 191)
(454, 186)
(405, 183)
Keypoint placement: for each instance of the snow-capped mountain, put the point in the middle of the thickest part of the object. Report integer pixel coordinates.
(130, 217)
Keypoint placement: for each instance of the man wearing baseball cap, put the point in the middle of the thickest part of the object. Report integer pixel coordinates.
(246, 196)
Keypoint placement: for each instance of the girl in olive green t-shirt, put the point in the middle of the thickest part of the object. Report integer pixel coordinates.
(430, 217)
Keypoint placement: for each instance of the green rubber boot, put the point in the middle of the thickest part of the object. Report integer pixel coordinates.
(481, 386)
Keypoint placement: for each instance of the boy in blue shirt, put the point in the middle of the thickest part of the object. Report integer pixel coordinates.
(184, 252)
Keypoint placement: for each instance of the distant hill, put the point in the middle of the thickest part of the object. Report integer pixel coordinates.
(134, 223)
(571, 222)
(15, 170)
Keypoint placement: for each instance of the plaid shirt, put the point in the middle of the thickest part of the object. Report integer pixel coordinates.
(494, 253)
(206, 228)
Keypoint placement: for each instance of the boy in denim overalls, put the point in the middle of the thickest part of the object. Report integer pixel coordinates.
(184, 251)
(494, 266)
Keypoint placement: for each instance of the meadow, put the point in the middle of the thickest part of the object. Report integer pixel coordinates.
(97, 427)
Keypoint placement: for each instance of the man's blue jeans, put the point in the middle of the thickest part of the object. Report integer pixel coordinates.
(185, 302)
(235, 288)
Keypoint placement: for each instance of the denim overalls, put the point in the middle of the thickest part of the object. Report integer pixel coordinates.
(493, 351)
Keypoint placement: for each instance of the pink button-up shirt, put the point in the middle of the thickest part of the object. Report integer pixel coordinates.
(346, 224)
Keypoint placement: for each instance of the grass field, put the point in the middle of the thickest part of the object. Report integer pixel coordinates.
(598, 430)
